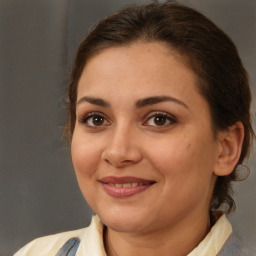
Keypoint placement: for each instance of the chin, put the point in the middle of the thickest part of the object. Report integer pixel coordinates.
(125, 223)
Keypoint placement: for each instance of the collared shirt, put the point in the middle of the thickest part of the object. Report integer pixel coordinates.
(92, 241)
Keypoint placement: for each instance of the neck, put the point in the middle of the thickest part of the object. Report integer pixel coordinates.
(177, 240)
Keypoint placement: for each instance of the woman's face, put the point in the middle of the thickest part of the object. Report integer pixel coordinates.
(143, 148)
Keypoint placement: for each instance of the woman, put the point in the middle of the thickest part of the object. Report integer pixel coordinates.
(158, 121)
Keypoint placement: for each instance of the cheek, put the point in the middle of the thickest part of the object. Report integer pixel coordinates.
(172, 152)
(186, 175)
(183, 158)
(85, 156)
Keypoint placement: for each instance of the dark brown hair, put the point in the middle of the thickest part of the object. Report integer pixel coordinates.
(222, 79)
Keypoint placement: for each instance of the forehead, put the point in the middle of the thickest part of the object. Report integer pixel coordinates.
(141, 65)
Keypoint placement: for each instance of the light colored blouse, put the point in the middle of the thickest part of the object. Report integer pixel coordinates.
(92, 241)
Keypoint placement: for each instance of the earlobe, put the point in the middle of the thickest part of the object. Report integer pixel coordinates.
(230, 142)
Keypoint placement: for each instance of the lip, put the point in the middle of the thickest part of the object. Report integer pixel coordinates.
(139, 186)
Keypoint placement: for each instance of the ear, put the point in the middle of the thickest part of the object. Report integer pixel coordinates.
(230, 147)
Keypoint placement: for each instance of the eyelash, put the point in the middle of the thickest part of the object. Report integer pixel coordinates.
(167, 118)
(86, 118)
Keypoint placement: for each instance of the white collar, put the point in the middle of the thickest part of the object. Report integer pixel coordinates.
(92, 240)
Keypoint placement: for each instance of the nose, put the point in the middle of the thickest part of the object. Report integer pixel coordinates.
(123, 148)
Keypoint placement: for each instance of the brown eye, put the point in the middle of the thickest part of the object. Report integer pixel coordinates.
(160, 120)
(97, 120)
(94, 120)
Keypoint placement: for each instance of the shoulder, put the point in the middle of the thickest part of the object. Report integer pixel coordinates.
(234, 247)
(49, 245)
(86, 241)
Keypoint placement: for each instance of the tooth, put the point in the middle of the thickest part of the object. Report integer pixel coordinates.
(112, 184)
(127, 185)
(134, 184)
(118, 185)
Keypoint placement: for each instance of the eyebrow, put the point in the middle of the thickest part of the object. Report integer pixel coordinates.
(138, 104)
(95, 101)
(158, 99)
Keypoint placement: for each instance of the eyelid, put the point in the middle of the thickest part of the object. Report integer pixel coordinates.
(85, 117)
(170, 117)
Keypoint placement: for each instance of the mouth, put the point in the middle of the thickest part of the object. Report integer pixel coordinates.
(122, 187)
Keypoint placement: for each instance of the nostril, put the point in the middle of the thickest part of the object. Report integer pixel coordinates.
(121, 155)
(107, 161)
(119, 164)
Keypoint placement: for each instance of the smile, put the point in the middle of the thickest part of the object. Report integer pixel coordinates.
(126, 185)
(122, 187)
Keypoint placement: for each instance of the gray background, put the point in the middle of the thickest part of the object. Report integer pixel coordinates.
(38, 38)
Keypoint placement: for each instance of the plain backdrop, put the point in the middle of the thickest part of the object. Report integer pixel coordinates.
(38, 38)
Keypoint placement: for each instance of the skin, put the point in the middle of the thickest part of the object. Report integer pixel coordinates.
(180, 156)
